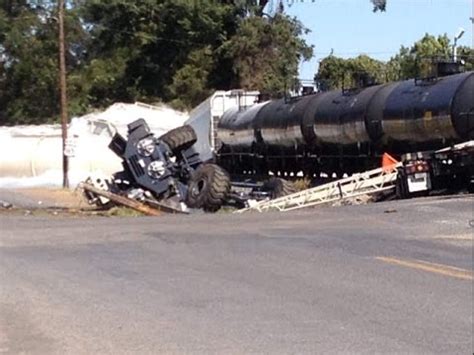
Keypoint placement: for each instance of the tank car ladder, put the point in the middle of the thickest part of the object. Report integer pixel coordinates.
(366, 183)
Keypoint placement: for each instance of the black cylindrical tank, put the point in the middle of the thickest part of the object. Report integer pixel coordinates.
(280, 122)
(462, 109)
(439, 110)
(340, 116)
(423, 111)
(236, 128)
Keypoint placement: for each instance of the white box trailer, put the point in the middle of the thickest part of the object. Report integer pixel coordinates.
(205, 117)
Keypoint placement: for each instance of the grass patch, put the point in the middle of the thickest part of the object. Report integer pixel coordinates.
(302, 184)
(120, 211)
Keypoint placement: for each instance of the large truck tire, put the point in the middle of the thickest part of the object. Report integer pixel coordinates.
(180, 138)
(278, 187)
(208, 188)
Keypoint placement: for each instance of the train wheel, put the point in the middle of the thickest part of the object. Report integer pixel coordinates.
(180, 138)
(208, 188)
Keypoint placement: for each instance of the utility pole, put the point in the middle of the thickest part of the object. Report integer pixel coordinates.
(62, 88)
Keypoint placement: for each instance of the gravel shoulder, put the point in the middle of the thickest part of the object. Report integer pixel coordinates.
(34, 198)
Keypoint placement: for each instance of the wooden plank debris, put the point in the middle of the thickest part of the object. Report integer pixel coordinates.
(122, 200)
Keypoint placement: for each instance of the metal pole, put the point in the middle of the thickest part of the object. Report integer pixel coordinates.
(62, 88)
(472, 25)
(455, 50)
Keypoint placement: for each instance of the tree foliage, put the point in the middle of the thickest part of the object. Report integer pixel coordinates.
(28, 60)
(410, 62)
(28, 70)
(172, 50)
(266, 53)
(177, 51)
(335, 72)
(416, 60)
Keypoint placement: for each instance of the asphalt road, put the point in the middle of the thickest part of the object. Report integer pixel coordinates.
(389, 277)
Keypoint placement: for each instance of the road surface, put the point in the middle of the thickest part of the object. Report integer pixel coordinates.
(387, 277)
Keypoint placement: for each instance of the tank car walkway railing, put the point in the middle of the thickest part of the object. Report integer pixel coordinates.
(366, 183)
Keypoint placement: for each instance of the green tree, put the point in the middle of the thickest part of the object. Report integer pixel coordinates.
(150, 42)
(24, 48)
(28, 60)
(466, 54)
(417, 60)
(266, 53)
(337, 73)
(331, 73)
(190, 83)
(177, 51)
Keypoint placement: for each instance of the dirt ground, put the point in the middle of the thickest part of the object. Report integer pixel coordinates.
(42, 199)
(55, 201)
(60, 197)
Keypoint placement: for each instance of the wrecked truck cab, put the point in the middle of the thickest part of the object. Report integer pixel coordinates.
(167, 169)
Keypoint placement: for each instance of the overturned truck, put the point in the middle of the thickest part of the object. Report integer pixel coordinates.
(165, 170)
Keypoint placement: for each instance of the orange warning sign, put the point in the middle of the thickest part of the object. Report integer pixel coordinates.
(388, 162)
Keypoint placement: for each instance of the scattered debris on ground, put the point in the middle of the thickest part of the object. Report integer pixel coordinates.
(141, 207)
(5, 204)
(358, 200)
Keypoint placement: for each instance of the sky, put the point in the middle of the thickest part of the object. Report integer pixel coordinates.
(350, 28)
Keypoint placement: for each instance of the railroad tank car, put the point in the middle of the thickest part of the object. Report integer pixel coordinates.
(339, 117)
(236, 126)
(349, 130)
(424, 111)
(279, 123)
